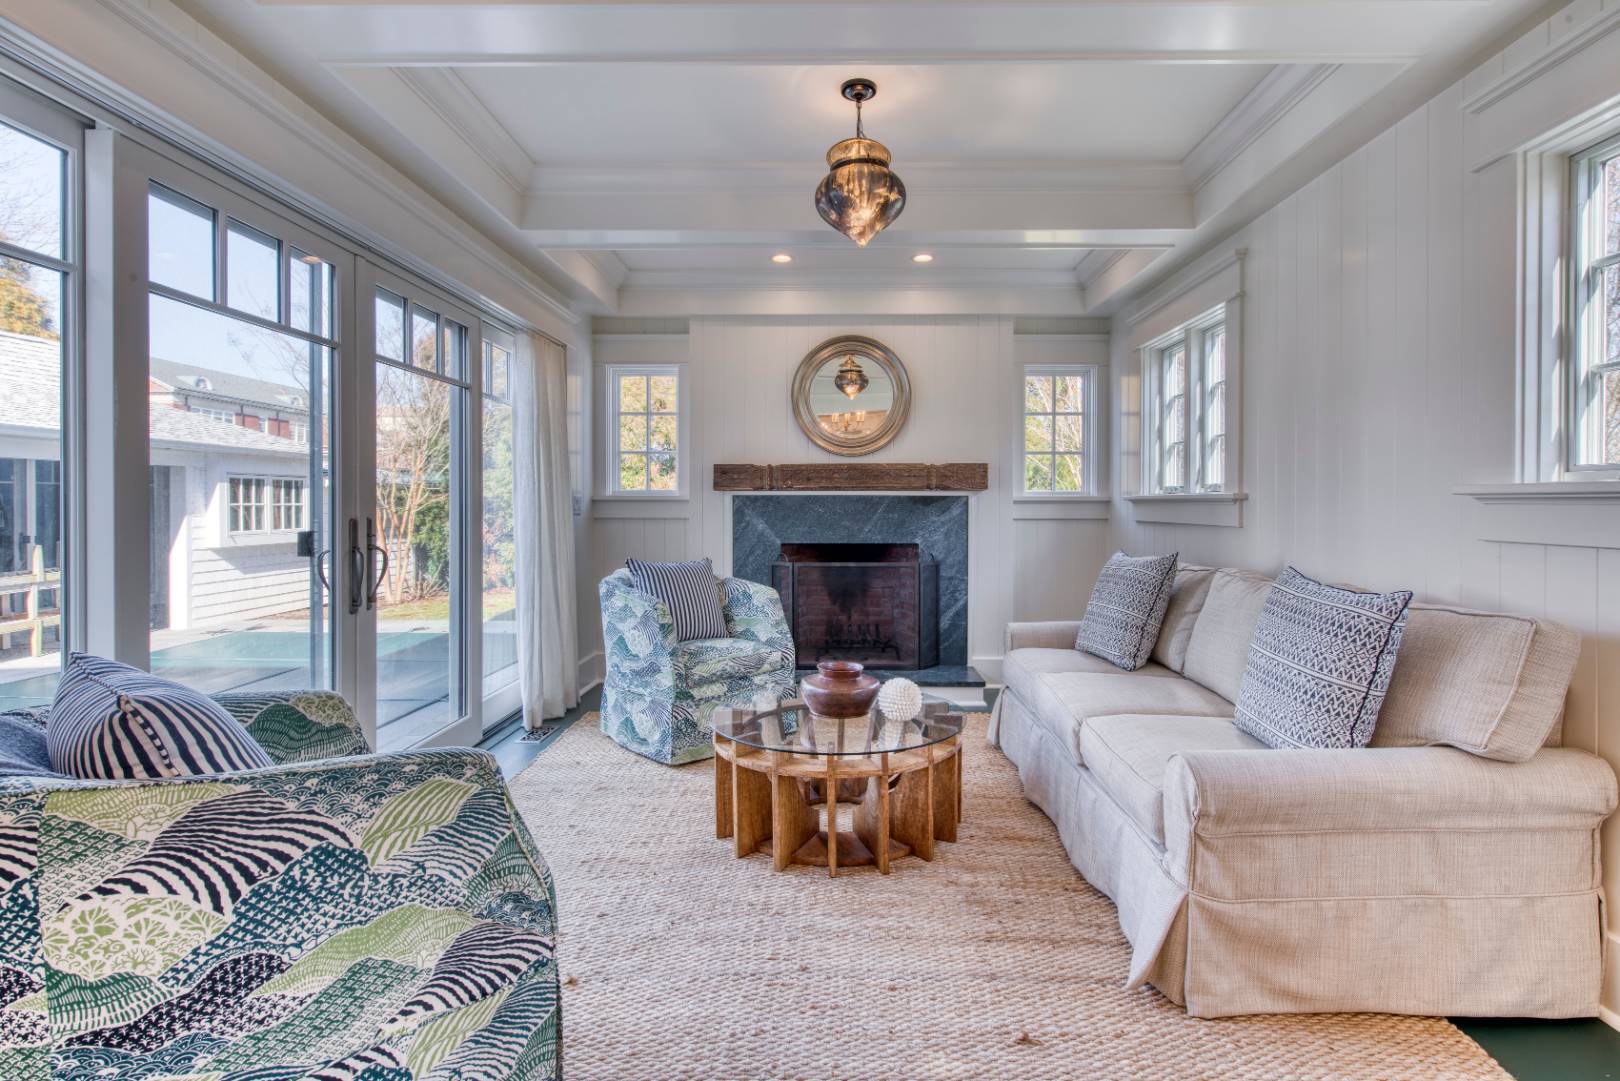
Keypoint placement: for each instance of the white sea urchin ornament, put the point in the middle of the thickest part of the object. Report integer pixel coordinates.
(900, 699)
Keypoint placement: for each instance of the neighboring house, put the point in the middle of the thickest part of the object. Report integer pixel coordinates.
(230, 485)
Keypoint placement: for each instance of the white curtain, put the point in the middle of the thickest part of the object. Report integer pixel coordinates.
(548, 649)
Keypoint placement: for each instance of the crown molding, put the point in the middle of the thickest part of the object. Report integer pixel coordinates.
(1510, 82)
(1284, 87)
(464, 112)
(929, 279)
(247, 84)
(766, 177)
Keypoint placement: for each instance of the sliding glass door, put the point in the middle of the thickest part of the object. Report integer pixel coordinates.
(498, 603)
(244, 334)
(39, 270)
(421, 586)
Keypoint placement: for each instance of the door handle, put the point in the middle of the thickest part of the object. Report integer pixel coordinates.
(320, 568)
(357, 567)
(374, 578)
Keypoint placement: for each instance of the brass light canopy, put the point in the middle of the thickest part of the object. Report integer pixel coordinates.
(851, 377)
(859, 196)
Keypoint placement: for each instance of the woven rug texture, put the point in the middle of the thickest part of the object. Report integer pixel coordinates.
(996, 961)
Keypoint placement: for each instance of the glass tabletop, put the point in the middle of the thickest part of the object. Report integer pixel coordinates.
(790, 726)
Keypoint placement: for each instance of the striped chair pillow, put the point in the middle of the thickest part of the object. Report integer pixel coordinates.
(689, 590)
(115, 723)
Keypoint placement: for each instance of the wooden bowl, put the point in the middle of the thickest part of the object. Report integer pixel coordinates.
(839, 689)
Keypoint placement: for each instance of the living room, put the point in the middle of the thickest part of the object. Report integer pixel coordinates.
(910, 539)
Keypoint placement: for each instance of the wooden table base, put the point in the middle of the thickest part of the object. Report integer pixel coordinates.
(901, 803)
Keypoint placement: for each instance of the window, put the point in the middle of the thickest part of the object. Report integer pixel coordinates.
(645, 429)
(287, 504)
(1185, 408)
(1057, 400)
(1595, 320)
(39, 267)
(247, 504)
(500, 652)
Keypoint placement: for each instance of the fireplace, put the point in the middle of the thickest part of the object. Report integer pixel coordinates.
(873, 603)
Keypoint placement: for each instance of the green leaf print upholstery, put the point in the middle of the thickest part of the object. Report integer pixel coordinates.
(341, 915)
(659, 694)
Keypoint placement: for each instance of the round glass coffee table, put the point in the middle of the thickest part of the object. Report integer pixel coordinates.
(777, 769)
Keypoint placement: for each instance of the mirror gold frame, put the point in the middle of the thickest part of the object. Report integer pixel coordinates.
(867, 350)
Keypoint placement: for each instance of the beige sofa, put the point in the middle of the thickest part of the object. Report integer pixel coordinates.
(1450, 868)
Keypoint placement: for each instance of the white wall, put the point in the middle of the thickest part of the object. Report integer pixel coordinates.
(1027, 560)
(1379, 374)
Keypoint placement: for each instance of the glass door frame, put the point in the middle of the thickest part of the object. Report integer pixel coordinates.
(507, 699)
(465, 729)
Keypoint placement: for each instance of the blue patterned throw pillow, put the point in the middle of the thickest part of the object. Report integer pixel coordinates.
(1320, 664)
(111, 722)
(1127, 607)
(689, 590)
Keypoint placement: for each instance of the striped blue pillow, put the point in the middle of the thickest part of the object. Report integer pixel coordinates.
(112, 722)
(691, 592)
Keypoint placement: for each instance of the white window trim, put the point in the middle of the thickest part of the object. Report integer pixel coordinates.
(608, 489)
(1579, 232)
(1210, 293)
(1092, 374)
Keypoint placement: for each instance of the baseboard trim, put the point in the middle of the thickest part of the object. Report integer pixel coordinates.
(1609, 1017)
(589, 671)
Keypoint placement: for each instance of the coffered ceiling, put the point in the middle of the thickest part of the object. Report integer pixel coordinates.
(1065, 152)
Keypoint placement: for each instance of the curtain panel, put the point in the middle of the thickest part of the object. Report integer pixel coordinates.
(548, 648)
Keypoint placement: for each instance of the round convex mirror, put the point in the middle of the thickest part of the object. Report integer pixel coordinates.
(851, 395)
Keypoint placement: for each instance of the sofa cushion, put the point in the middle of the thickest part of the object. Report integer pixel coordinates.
(1218, 648)
(23, 752)
(1126, 610)
(1069, 699)
(112, 722)
(1020, 667)
(690, 591)
(1320, 664)
(1186, 601)
(1127, 755)
(1489, 684)
(704, 660)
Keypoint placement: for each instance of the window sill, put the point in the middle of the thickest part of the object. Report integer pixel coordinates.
(1032, 506)
(1577, 513)
(1544, 492)
(1190, 508)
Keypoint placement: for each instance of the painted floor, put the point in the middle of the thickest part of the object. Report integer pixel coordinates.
(1531, 1050)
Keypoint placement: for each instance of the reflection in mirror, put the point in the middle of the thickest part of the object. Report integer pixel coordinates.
(851, 399)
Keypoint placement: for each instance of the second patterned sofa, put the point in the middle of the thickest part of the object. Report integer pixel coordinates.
(341, 915)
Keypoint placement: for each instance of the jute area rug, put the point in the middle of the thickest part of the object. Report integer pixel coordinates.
(996, 961)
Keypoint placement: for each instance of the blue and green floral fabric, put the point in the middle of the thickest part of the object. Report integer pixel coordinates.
(659, 694)
(375, 918)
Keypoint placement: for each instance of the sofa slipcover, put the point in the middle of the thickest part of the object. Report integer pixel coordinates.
(1083, 695)
(1487, 683)
(1218, 648)
(1423, 879)
(1128, 756)
(1186, 601)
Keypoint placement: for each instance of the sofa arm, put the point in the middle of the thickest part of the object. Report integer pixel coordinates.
(1290, 791)
(297, 726)
(293, 883)
(754, 613)
(1054, 634)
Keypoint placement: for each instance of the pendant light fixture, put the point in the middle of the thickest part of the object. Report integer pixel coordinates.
(859, 196)
(851, 377)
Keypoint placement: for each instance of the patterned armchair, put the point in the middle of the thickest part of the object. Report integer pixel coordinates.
(342, 915)
(659, 694)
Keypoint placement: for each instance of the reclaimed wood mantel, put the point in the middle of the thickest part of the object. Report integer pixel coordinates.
(854, 477)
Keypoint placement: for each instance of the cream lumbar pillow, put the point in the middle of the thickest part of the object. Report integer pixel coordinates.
(1127, 608)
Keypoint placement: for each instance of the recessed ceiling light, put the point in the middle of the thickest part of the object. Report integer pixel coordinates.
(781, 257)
(922, 257)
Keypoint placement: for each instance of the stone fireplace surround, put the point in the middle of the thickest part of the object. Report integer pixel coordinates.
(761, 524)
